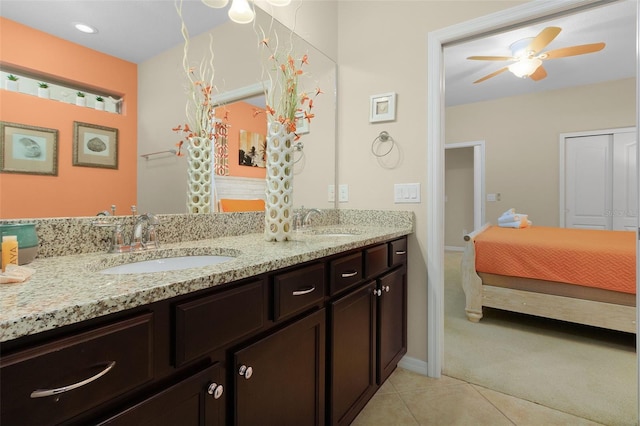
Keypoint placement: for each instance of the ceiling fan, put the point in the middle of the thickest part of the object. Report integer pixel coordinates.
(527, 55)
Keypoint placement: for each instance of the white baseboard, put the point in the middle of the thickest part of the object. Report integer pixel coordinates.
(453, 248)
(413, 364)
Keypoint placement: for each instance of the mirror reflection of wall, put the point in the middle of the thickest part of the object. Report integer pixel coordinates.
(156, 103)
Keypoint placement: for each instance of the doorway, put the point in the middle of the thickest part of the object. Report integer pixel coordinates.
(435, 150)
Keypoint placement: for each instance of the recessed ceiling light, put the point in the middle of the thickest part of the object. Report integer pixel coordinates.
(85, 28)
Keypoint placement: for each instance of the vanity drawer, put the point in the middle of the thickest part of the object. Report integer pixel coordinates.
(345, 272)
(398, 253)
(295, 291)
(77, 373)
(212, 322)
(376, 260)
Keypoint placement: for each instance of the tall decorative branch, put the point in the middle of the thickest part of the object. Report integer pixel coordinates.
(199, 109)
(285, 102)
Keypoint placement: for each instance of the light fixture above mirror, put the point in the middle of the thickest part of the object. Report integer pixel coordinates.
(241, 11)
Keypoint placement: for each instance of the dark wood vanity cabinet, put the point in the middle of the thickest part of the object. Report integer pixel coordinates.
(280, 379)
(368, 332)
(307, 345)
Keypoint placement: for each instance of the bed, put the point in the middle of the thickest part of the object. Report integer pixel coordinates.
(576, 275)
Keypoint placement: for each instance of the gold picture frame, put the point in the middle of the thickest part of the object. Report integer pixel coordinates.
(95, 146)
(28, 149)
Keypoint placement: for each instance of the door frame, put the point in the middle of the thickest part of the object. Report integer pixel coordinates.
(562, 154)
(518, 15)
(478, 178)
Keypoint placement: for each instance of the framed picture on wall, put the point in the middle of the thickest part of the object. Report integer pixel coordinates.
(95, 146)
(302, 125)
(28, 149)
(382, 108)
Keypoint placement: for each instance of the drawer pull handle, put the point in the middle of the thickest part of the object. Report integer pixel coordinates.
(245, 371)
(401, 252)
(216, 390)
(303, 292)
(41, 393)
(349, 274)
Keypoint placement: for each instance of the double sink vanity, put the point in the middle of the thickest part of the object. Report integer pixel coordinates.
(301, 332)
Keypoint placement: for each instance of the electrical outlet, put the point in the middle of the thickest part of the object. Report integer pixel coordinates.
(331, 193)
(343, 193)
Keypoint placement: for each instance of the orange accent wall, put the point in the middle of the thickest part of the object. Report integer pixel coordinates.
(76, 191)
(240, 116)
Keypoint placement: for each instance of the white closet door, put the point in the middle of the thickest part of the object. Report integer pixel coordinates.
(588, 195)
(625, 182)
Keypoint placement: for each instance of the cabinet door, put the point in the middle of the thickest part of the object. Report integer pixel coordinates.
(197, 400)
(352, 353)
(392, 322)
(280, 380)
(56, 381)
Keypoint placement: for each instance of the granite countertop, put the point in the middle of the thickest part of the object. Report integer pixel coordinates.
(69, 289)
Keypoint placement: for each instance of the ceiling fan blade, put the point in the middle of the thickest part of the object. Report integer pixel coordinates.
(493, 74)
(572, 51)
(541, 41)
(491, 58)
(538, 74)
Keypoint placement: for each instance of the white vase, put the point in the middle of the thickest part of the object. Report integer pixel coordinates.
(199, 162)
(43, 92)
(278, 224)
(11, 85)
(81, 101)
(99, 105)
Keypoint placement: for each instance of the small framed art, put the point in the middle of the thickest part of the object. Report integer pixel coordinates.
(302, 125)
(28, 149)
(383, 107)
(95, 146)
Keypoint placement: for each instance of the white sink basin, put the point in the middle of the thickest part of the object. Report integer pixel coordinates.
(176, 263)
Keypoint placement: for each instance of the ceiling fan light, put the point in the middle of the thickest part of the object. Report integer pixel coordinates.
(240, 12)
(525, 67)
(279, 3)
(216, 4)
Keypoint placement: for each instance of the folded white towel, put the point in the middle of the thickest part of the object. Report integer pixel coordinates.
(505, 218)
(516, 224)
(510, 211)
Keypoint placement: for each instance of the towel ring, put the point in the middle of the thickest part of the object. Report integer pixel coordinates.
(382, 138)
(298, 146)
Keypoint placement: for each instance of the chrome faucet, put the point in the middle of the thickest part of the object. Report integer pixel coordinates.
(148, 240)
(307, 217)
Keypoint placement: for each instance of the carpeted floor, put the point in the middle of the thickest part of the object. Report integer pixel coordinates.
(584, 371)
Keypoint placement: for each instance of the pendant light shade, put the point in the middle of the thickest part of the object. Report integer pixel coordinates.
(241, 12)
(525, 67)
(216, 4)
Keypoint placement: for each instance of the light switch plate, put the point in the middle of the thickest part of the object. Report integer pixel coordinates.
(406, 193)
(331, 193)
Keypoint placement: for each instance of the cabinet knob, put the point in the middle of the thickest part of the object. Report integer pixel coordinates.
(377, 292)
(245, 371)
(216, 390)
(386, 288)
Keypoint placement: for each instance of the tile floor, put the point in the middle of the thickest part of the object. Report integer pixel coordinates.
(411, 399)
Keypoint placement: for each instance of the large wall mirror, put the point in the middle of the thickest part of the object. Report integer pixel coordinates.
(161, 180)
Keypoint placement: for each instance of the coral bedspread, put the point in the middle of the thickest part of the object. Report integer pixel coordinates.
(593, 258)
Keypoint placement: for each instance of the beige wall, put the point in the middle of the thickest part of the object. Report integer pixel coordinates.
(383, 48)
(522, 140)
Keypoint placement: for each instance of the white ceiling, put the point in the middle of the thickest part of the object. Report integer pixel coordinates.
(138, 30)
(613, 24)
(133, 30)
